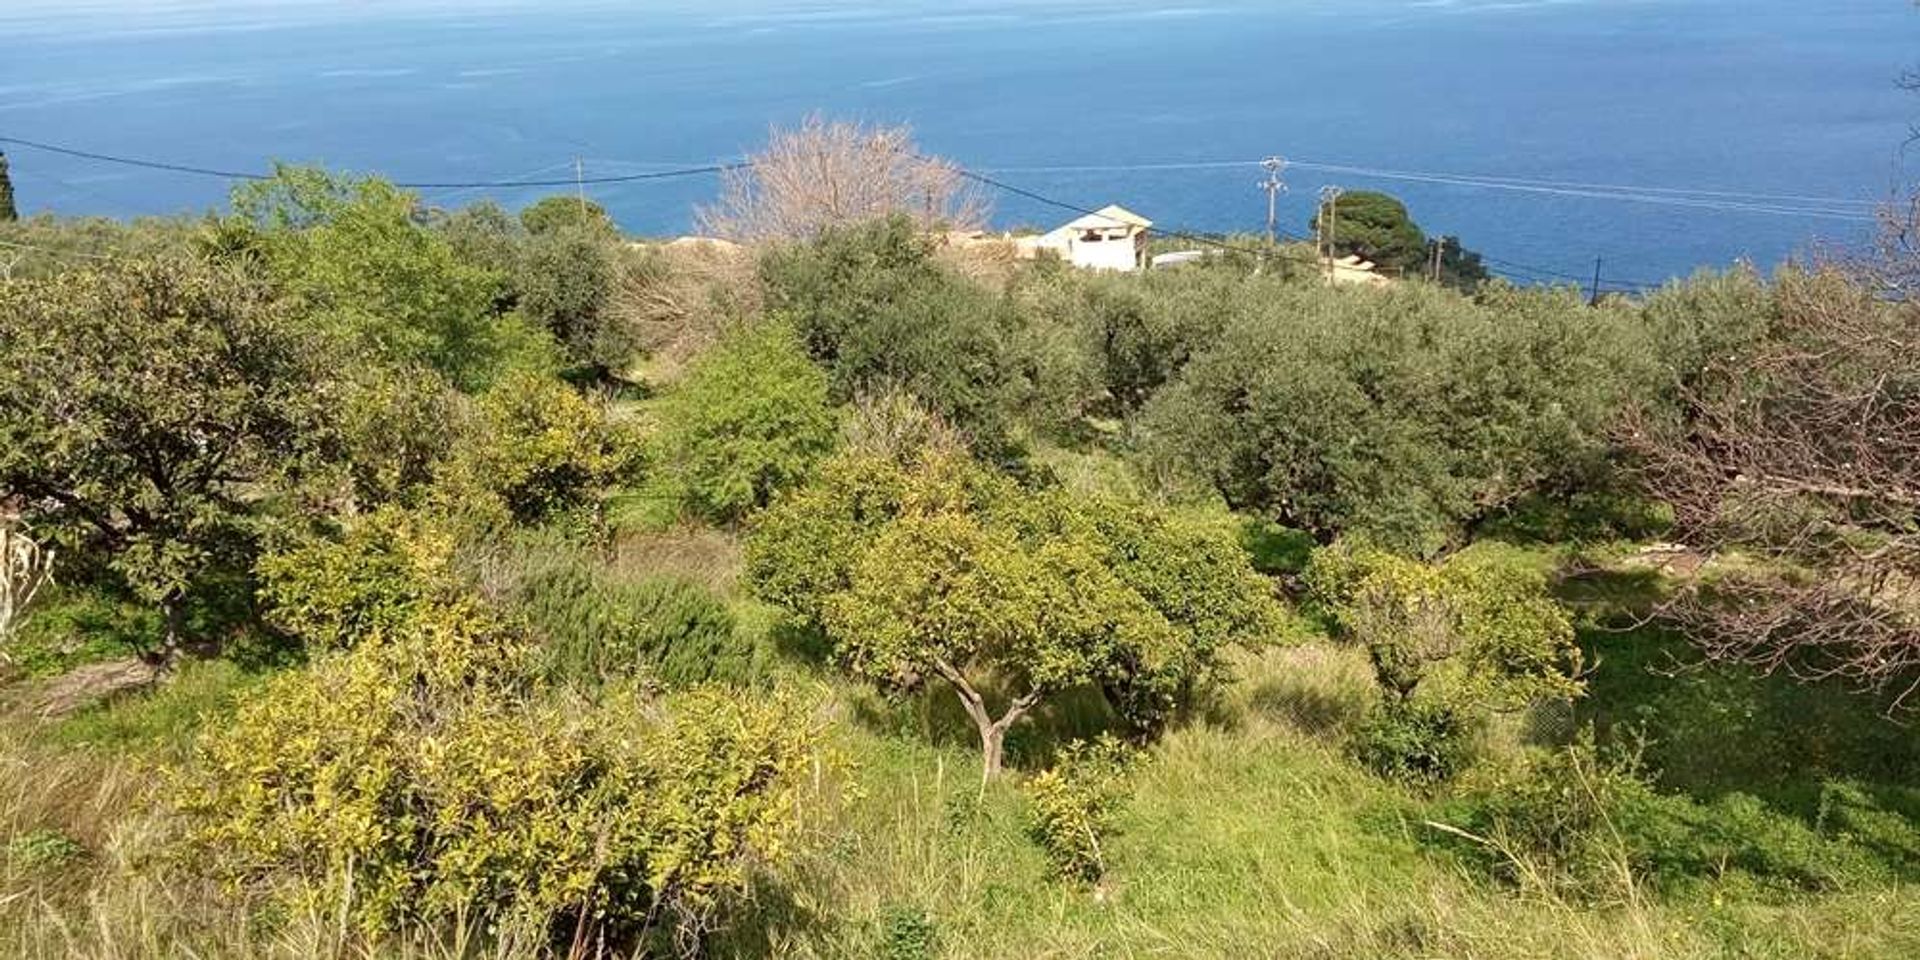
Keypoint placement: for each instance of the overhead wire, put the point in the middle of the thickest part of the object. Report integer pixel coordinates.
(404, 184)
(1696, 198)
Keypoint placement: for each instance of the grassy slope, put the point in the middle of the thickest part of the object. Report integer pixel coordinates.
(1249, 833)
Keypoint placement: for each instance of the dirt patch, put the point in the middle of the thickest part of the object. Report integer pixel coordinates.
(82, 687)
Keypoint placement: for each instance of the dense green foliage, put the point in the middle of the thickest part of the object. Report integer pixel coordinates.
(146, 411)
(877, 310)
(1407, 414)
(493, 555)
(936, 567)
(1448, 644)
(749, 420)
(373, 579)
(557, 214)
(1376, 226)
(8, 211)
(538, 448)
(353, 255)
(598, 630)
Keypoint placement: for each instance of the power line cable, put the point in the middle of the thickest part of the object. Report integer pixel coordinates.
(1851, 206)
(1645, 194)
(408, 185)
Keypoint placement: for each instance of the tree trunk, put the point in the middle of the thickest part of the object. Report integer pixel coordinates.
(173, 610)
(993, 733)
(993, 741)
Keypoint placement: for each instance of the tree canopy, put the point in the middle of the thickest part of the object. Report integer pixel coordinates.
(148, 410)
(938, 568)
(1376, 226)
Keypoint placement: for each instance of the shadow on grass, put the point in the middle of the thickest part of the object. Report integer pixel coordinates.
(933, 714)
(1713, 729)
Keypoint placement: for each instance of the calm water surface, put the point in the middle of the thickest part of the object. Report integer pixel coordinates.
(1755, 97)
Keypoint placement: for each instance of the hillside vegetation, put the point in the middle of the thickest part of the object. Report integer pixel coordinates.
(386, 581)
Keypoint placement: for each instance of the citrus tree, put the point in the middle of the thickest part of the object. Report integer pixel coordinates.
(938, 569)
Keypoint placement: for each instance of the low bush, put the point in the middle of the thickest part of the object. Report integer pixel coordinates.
(1449, 643)
(1414, 741)
(598, 628)
(373, 578)
(1075, 803)
(536, 447)
(750, 420)
(906, 933)
(420, 780)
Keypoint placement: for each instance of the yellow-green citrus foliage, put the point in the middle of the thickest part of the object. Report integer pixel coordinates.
(537, 447)
(940, 567)
(1075, 803)
(1450, 643)
(418, 779)
(1479, 628)
(751, 419)
(372, 580)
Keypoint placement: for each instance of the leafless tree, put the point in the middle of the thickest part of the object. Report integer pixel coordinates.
(1796, 459)
(824, 174)
(680, 297)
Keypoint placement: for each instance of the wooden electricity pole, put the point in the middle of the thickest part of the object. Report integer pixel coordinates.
(1328, 219)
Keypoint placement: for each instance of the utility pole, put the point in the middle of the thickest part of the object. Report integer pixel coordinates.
(1328, 219)
(580, 186)
(1274, 186)
(1595, 299)
(1439, 253)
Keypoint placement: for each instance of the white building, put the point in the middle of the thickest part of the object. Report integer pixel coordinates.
(1115, 238)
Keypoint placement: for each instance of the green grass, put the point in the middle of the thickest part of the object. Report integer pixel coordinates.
(1248, 831)
(163, 721)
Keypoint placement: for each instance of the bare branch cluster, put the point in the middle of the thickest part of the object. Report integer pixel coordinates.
(826, 174)
(1799, 454)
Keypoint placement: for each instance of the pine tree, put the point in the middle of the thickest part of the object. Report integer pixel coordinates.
(7, 211)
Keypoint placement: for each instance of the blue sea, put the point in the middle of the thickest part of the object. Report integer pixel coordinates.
(1656, 135)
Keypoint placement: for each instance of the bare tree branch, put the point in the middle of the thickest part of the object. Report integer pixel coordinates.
(827, 174)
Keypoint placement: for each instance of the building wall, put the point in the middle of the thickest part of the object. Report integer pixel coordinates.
(1117, 254)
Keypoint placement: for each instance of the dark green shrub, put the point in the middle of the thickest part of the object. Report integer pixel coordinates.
(1075, 804)
(1415, 742)
(750, 420)
(1406, 414)
(873, 306)
(597, 628)
(906, 933)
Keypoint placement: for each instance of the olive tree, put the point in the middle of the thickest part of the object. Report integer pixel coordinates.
(147, 411)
